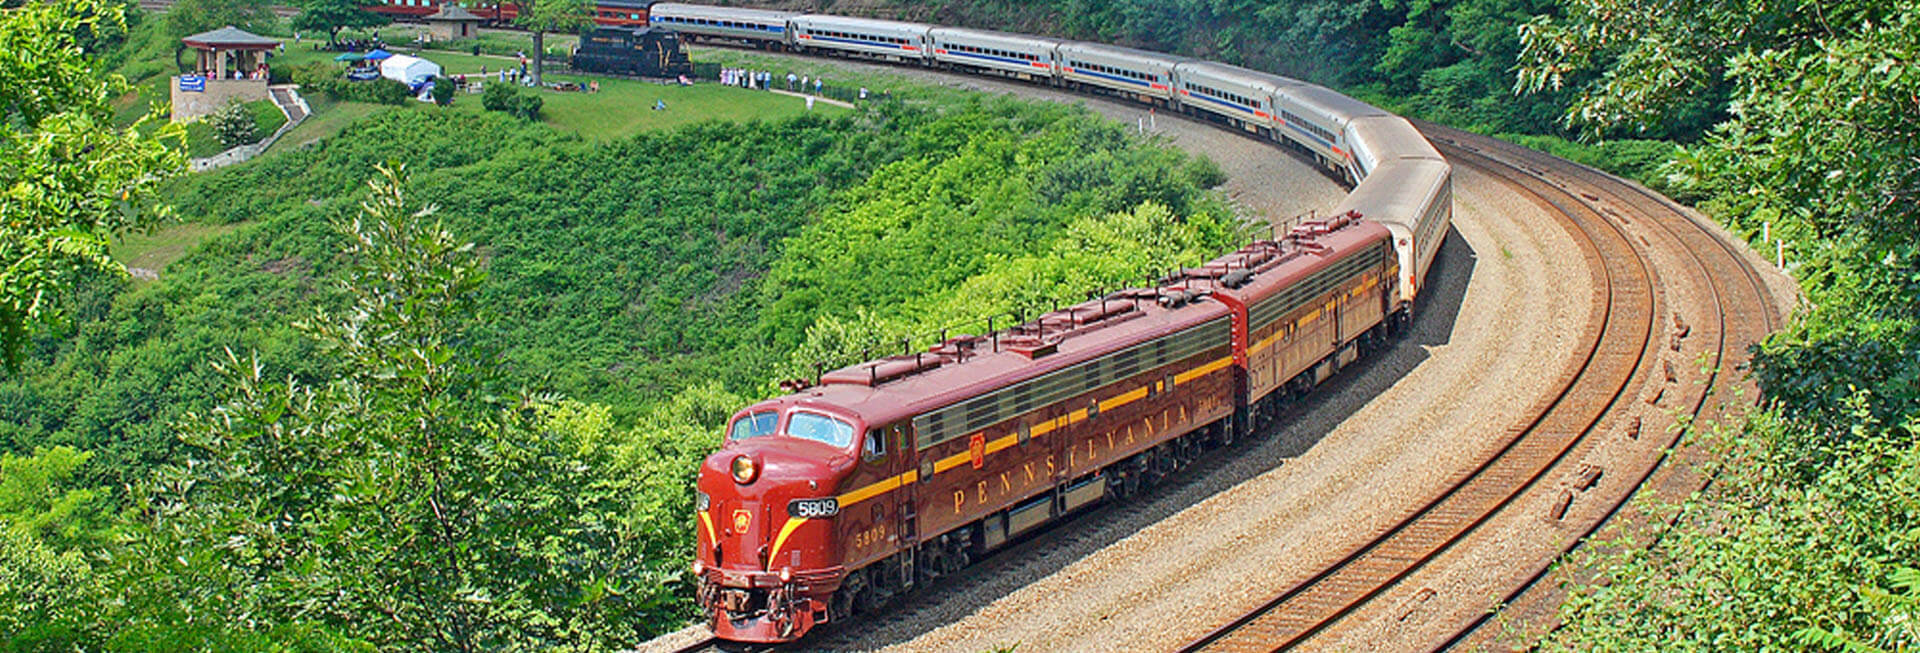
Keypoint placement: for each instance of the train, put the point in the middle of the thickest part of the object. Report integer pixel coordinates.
(870, 480)
(605, 12)
(640, 51)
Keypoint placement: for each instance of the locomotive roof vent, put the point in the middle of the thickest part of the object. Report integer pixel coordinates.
(1237, 278)
(873, 373)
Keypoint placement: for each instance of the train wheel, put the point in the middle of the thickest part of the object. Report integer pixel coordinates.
(865, 598)
(1222, 433)
(955, 557)
(932, 563)
(847, 601)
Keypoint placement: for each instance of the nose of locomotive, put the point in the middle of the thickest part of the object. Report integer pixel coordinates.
(765, 544)
(748, 491)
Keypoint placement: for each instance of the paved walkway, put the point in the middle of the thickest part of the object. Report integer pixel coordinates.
(290, 104)
(817, 98)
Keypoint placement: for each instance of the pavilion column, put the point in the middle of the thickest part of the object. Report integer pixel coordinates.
(219, 64)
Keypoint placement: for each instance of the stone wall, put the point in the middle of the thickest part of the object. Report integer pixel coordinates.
(448, 30)
(191, 105)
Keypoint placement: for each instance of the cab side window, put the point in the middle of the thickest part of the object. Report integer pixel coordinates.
(876, 447)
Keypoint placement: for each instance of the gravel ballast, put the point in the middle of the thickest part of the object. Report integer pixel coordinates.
(1507, 299)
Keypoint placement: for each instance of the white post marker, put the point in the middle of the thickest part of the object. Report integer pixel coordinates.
(1780, 254)
(809, 103)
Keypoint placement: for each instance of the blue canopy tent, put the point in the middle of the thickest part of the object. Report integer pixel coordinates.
(350, 57)
(377, 55)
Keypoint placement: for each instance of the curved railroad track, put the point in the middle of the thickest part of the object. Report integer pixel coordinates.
(1642, 250)
(1615, 347)
(1742, 310)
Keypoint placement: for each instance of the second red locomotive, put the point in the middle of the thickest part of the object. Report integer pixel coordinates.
(882, 476)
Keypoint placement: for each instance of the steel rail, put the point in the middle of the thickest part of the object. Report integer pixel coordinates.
(1606, 374)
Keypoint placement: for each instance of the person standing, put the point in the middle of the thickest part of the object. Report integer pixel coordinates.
(816, 86)
(790, 79)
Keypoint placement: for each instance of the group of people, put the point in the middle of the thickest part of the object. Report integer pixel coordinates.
(799, 83)
(258, 72)
(763, 80)
(354, 45)
(744, 78)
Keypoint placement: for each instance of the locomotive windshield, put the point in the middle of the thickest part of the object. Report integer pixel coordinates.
(755, 425)
(814, 426)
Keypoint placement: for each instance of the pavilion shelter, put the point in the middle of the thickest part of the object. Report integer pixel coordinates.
(231, 66)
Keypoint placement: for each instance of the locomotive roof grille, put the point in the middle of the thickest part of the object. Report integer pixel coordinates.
(1297, 295)
(964, 417)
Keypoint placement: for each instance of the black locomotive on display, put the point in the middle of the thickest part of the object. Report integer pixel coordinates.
(639, 51)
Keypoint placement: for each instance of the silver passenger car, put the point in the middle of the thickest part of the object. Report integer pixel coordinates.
(1026, 56)
(1317, 119)
(1375, 140)
(751, 25)
(1413, 198)
(1247, 98)
(882, 38)
(1148, 75)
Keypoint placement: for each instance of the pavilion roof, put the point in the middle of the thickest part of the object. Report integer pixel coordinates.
(453, 12)
(230, 38)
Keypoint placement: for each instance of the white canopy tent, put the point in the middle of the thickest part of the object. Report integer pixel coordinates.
(408, 70)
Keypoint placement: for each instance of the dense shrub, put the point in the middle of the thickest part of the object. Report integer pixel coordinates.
(444, 89)
(512, 101)
(235, 126)
(327, 78)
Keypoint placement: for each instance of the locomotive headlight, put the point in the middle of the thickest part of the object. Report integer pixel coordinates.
(744, 471)
(698, 568)
(786, 574)
(701, 501)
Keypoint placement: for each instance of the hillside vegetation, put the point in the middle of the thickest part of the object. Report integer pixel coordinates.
(620, 298)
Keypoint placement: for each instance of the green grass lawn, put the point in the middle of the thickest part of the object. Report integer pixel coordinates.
(450, 62)
(624, 107)
(166, 244)
(621, 108)
(328, 118)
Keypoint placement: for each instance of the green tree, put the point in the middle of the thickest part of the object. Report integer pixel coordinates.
(414, 501)
(542, 16)
(72, 179)
(444, 89)
(189, 17)
(331, 16)
(1821, 146)
(1809, 535)
(51, 595)
(235, 125)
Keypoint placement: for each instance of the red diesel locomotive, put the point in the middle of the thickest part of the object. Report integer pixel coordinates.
(882, 476)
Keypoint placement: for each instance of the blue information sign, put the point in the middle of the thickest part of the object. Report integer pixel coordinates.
(193, 83)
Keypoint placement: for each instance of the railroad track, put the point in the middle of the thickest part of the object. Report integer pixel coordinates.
(161, 6)
(1620, 350)
(1742, 311)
